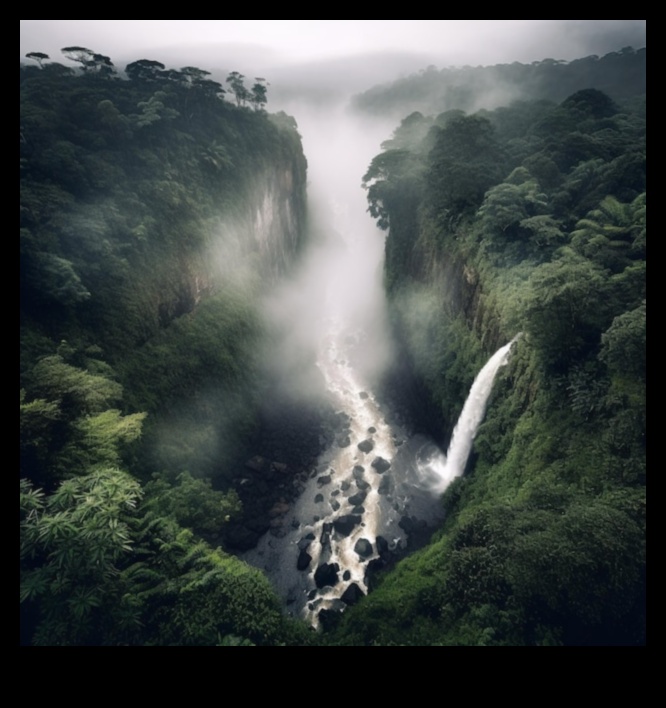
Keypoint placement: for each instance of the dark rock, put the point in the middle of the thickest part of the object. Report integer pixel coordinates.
(382, 546)
(344, 442)
(362, 484)
(372, 429)
(346, 575)
(345, 486)
(324, 479)
(305, 541)
(366, 445)
(319, 498)
(363, 547)
(335, 493)
(363, 395)
(335, 505)
(345, 524)
(358, 471)
(384, 486)
(380, 465)
(352, 594)
(358, 498)
(326, 574)
(358, 510)
(304, 560)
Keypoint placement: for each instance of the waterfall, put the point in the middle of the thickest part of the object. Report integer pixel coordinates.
(438, 470)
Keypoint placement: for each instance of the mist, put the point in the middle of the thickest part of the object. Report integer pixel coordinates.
(338, 283)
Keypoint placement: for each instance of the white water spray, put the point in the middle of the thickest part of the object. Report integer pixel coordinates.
(439, 470)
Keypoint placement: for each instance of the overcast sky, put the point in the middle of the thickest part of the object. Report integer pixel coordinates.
(268, 43)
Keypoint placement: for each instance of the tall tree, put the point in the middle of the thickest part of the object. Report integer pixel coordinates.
(235, 81)
(39, 57)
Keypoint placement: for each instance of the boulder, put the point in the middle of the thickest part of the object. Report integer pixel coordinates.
(345, 524)
(358, 498)
(384, 486)
(363, 547)
(326, 574)
(366, 445)
(352, 594)
(304, 560)
(380, 465)
(305, 541)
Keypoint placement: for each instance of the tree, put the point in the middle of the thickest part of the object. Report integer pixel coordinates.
(567, 309)
(144, 70)
(71, 544)
(39, 57)
(613, 234)
(235, 81)
(464, 164)
(258, 96)
(90, 61)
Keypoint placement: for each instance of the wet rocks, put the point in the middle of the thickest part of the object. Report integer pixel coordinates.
(304, 560)
(384, 486)
(326, 574)
(346, 523)
(358, 498)
(352, 594)
(366, 445)
(380, 465)
(363, 547)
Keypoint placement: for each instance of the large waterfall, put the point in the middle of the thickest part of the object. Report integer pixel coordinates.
(439, 470)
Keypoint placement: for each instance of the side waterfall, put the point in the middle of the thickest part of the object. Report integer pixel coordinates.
(439, 470)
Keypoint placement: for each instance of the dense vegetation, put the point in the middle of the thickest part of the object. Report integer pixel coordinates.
(621, 75)
(140, 384)
(532, 219)
(140, 273)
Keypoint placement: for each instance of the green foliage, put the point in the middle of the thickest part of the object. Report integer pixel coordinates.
(621, 75)
(463, 163)
(544, 541)
(71, 545)
(193, 503)
(138, 200)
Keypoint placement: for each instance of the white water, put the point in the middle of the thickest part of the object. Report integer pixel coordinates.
(336, 308)
(439, 470)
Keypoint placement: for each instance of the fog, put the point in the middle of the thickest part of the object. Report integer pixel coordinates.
(328, 319)
(252, 46)
(339, 282)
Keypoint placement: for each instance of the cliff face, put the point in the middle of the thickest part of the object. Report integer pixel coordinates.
(132, 219)
(278, 222)
(257, 242)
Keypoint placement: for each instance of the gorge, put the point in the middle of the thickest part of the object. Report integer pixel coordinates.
(215, 369)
